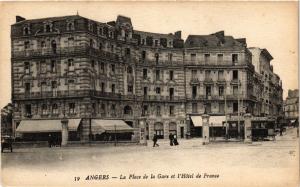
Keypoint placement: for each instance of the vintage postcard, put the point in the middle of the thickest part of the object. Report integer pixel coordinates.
(149, 94)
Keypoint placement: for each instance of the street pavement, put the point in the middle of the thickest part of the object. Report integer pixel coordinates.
(267, 163)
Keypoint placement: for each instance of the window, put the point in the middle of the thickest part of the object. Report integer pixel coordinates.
(28, 110)
(70, 64)
(71, 84)
(208, 91)
(43, 87)
(145, 91)
(155, 43)
(43, 44)
(53, 66)
(234, 58)
(193, 57)
(113, 88)
(112, 48)
(221, 90)
(102, 67)
(156, 58)
(26, 45)
(143, 55)
(127, 110)
(113, 68)
(53, 46)
(194, 74)
(71, 108)
(127, 53)
(157, 73)
(206, 58)
(171, 93)
(145, 110)
(43, 66)
(235, 107)
(194, 107)
(48, 28)
(44, 109)
(235, 90)
(129, 70)
(235, 74)
(221, 108)
(26, 31)
(207, 75)
(145, 74)
(101, 31)
(143, 41)
(170, 57)
(220, 58)
(221, 75)
(157, 90)
(70, 26)
(103, 111)
(27, 67)
(93, 64)
(171, 75)
(54, 109)
(54, 86)
(27, 88)
(194, 92)
(102, 86)
(208, 108)
(172, 110)
(130, 88)
(158, 112)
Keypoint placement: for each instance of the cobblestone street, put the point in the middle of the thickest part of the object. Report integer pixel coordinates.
(256, 163)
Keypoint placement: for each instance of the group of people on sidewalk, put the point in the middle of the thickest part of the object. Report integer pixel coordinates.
(172, 138)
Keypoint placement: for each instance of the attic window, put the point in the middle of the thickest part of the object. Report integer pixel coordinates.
(70, 26)
(48, 28)
(26, 31)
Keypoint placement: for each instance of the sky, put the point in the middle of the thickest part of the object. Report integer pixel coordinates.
(270, 25)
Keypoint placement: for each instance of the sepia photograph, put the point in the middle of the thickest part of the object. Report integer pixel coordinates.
(149, 94)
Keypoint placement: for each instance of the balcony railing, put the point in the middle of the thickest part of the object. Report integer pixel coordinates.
(64, 51)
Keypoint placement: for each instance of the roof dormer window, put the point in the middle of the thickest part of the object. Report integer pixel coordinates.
(26, 30)
(70, 26)
(48, 27)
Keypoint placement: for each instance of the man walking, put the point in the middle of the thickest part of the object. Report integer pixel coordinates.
(171, 138)
(155, 140)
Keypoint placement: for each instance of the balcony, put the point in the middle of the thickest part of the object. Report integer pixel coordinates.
(208, 80)
(195, 80)
(76, 50)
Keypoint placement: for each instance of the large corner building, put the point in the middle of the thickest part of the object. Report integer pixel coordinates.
(103, 75)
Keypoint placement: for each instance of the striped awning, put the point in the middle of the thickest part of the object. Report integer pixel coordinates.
(100, 126)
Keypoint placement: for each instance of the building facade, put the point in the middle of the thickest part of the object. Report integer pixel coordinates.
(72, 67)
(291, 105)
(6, 120)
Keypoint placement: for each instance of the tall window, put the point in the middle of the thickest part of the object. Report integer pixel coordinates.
(170, 57)
(207, 75)
(221, 75)
(102, 86)
(235, 107)
(158, 112)
(221, 90)
(43, 87)
(155, 43)
(235, 75)
(71, 108)
(171, 93)
(145, 91)
(44, 109)
(208, 108)
(70, 64)
(234, 58)
(27, 67)
(220, 58)
(156, 58)
(194, 107)
(54, 88)
(157, 73)
(127, 53)
(172, 110)
(130, 88)
(143, 55)
(28, 109)
(113, 69)
(145, 74)
(113, 88)
(157, 89)
(194, 92)
(221, 107)
(193, 57)
(53, 66)
(26, 45)
(145, 110)
(206, 58)
(208, 91)
(171, 75)
(194, 74)
(235, 90)
(54, 109)
(27, 89)
(102, 67)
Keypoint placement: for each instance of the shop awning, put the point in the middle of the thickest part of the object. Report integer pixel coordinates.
(36, 126)
(73, 124)
(197, 121)
(110, 126)
(215, 121)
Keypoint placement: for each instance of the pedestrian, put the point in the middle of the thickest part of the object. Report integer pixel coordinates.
(171, 138)
(49, 140)
(175, 140)
(281, 129)
(155, 140)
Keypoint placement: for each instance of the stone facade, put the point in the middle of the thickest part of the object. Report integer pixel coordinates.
(74, 67)
(291, 105)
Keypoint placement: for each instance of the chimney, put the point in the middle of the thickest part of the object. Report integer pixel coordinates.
(178, 34)
(19, 19)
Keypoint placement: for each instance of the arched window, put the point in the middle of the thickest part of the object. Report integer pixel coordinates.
(26, 31)
(127, 110)
(70, 26)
